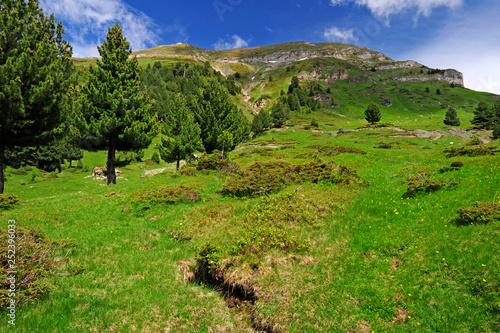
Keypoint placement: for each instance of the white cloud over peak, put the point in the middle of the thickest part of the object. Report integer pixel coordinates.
(87, 21)
(334, 34)
(233, 42)
(385, 8)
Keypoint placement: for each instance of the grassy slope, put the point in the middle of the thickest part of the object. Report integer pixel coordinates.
(377, 262)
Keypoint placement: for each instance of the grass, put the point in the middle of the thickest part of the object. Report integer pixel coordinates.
(372, 257)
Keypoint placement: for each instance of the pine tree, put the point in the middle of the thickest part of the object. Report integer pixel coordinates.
(115, 113)
(496, 130)
(215, 112)
(280, 113)
(372, 113)
(35, 74)
(225, 140)
(294, 84)
(451, 117)
(265, 119)
(483, 115)
(257, 127)
(183, 134)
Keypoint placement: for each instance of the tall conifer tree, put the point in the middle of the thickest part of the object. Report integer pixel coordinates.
(183, 134)
(116, 112)
(35, 74)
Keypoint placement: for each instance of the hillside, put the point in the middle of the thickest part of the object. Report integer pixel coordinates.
(326, 224)
(355, 76)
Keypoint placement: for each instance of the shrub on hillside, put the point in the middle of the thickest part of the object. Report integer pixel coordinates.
(212, 162)
(453, 167)
(33, 262)
(469, 151)
(480, 212)
(272, 176)
(168, 194)
(8, 201)
(188, 171)
(423, 183)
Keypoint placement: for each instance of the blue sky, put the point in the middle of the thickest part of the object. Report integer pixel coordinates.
(461, 34)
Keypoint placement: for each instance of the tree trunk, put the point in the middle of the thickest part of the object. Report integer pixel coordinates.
(111, 171)
(2, 158)
(178, 165)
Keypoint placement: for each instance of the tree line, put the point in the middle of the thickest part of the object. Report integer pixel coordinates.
(46, 115)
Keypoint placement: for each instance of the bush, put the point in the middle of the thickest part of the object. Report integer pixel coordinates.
(454, 166)
(8, 201)
(480, 212)
(314, 123)
(422, 183)
(271, 176)
(188, 171)
(474, 141)
(212, 162)
(469, 151)
(168, 194)
(33, 262)
(457, 164)
(384, 146)
(208, 264)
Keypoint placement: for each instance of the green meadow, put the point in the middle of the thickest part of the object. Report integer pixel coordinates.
(316, 256)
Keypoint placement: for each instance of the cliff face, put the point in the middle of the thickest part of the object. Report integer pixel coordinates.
(450, 76)
(280, 58)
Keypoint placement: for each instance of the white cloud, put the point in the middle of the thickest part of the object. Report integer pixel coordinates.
(233, 42)
(469, 44)
(385, 8)
(86, 23)
(334, 34)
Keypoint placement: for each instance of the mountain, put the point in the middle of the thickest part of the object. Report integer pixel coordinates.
(350, 77)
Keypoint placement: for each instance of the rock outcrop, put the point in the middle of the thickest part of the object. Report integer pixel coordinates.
(394, 65)
(319, 75)
(450, 76)
(285, 57)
